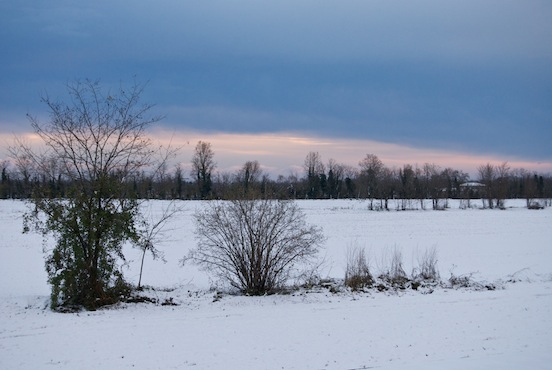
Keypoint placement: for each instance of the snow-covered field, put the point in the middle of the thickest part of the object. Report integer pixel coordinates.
(507, 328)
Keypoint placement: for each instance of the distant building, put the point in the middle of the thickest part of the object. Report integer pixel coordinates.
(472, 189)
(471, 185)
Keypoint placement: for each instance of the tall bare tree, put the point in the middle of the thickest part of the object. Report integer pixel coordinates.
(314, 168)
(249, 177)
(97, 141)
(407, 186)
(336, 174)
(203, 165)
(371, 170)
(502, 184)
(495, 179)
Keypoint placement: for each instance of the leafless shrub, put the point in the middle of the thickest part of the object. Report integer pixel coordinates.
(467, 281)
(309, 277)
(153, 231)
(357, 273)
(461, 281)
(393, 273)
(254, 245)
(427, 270)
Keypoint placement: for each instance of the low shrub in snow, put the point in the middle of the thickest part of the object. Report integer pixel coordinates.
(393, 273)
(427, 270)
(467, 281)
(254, 245)
(357, 273)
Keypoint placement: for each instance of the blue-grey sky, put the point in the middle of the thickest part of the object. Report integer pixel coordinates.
(471, 76)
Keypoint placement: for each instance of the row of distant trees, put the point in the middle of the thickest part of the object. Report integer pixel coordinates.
(371, 180)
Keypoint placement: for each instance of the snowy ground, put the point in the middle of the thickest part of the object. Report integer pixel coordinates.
(507, 328)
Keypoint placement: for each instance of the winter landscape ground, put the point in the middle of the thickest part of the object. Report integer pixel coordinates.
(509, 327)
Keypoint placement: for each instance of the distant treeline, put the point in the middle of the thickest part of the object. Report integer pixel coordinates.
(371, 180)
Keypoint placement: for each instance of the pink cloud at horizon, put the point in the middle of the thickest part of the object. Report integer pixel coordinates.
(284, 153)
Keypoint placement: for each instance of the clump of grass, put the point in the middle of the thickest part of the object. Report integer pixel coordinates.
(466, 281)
(427, 270)
(357, 272)
(393, 273)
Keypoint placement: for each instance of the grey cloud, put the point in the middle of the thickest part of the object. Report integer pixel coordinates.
(433, 73)
(313, 30)
(304, 30)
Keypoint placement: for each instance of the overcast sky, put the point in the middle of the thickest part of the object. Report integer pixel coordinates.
(453, 78)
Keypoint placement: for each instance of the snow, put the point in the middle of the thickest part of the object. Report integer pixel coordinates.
(506, 328)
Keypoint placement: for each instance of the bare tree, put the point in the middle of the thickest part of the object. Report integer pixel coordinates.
(530, 186)
(26, 166)
(249, 176)
(371, 170)
(98, 143)
(314, 168)
(5, 181)
(179, 182)
(502, 183)
(350, 174)
(407, 188)
(254, 245)
(495, 179)
(336, 174)
(153, 231)
(434, 184)
(203, 165)
(487, 176)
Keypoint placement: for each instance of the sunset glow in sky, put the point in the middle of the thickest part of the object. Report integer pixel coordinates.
(457, 84)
